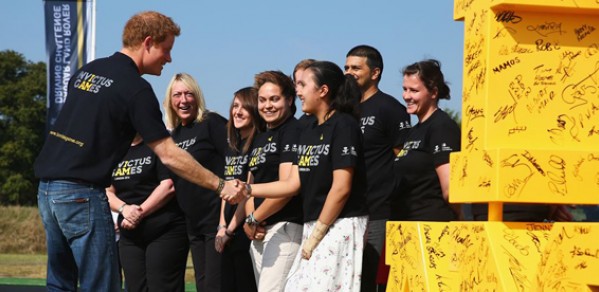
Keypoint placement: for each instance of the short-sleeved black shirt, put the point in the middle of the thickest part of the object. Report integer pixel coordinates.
(236, 163)
(107, 103)
(306, 120)
(236, 168)
(269, 149)
(206, 142)
(335, 144)
(134, 179)
(384, 122)
(428, 144)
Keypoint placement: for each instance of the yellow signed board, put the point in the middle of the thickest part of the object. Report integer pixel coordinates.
(525, 175)
(530, 126)
(570, 257)
(530, 134)
(492, 256)
(419, 255)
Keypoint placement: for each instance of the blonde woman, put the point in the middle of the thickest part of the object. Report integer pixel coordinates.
(203, 134)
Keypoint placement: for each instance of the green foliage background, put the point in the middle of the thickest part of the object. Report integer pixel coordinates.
(22, 126)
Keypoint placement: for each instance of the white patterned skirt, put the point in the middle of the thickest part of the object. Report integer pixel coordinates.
(336, 263)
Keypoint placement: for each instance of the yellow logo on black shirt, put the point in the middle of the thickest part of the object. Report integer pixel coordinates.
(91, 82)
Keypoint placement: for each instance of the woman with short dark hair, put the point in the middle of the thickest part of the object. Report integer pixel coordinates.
(422, 166)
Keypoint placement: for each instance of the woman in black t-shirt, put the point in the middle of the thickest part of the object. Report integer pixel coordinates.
(203, 135)
(329, 171)
(422, 166)
(153, 244)
(243, 125)
(270, 159)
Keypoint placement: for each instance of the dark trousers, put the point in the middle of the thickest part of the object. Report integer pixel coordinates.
(206, 262)
(375, 239)
(156, 265)
(238, 272)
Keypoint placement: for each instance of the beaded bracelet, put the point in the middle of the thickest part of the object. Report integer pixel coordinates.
(121, 208)
(221, 186)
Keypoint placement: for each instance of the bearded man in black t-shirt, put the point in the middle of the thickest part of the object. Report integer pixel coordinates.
(108, 102)
(383, 121)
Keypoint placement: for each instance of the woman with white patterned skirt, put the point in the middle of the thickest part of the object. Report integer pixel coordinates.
(330, 170)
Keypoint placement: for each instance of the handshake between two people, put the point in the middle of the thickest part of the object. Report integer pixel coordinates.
(234, 191)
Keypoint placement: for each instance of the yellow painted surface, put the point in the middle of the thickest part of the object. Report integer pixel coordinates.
(472, 258)
(543, 75)
(525, 175)
(517, 249)
(530, 108)
(420, 257)
(530, 133)
(530, 76)
(404, 255)
(492, 256)
(571, 257)
(560, 6)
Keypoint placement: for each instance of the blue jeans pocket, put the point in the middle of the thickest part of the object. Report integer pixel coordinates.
(72, 215)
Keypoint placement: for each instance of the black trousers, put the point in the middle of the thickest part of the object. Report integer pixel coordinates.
(206, 262)
(156, 265)
(237, 270)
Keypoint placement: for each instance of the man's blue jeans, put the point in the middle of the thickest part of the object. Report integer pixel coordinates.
(79, 237)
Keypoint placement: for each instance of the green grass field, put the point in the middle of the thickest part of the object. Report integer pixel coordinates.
(22, 249)
(30, 270)
(32, 266)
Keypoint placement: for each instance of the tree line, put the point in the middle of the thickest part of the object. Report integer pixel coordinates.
(22, 126)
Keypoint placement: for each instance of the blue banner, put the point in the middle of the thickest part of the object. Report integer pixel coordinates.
(69, 45)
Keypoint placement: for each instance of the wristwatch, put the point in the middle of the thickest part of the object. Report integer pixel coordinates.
(251, 220)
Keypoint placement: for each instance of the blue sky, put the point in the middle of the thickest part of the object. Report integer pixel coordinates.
(223, 44)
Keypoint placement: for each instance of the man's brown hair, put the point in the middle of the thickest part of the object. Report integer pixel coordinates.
(148, 23)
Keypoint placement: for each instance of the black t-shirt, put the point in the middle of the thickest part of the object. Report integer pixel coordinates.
(428, 144)
(306, 120)
(335, 144)
(108, 102)
(236, 162)
(206, 142)
(271, 148)
(134, 180)
(384, 123)
(236, 168)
